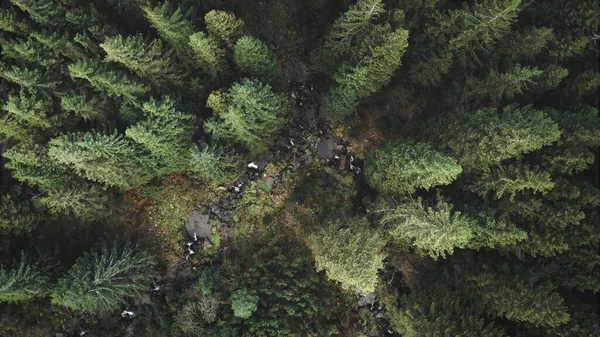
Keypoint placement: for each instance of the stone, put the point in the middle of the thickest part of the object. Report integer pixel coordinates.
(367, 299)
(326, 149)
(199, 224)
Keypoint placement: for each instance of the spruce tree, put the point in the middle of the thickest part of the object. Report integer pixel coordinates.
(82, 199)
(401, 167)
(209, 56)
(105, 158)
(27, 279)
(434, 230)
(510, 179)
(86, 104)
(166, 133)
(17, 213)
(225, 26)
(215, 164)
(172, 25)
(105, 277)
(350, 253)
(45, 12)
(146, 60)
(254, 58)
(249, 113)
(487, 136)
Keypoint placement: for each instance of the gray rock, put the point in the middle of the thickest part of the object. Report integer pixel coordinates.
(381, 315)
(199, 224)
(367, 299)
(326, 149)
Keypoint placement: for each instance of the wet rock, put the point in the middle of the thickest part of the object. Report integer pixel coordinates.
(326, 149)
(381, 315)
(199, 224)
(367, 299)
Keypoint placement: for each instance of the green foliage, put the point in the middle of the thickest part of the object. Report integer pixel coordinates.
(166, 133)
(350, 253)
(172, 26)
(403, 166)
(432, 230)
(215, 164)
(27, 279)
(17, 214)
(249, 113)
(105, 277)
(224, 26)
(243, 303)
(369, 75)
(510, 179)
(208, 55)
(209, 281)
(109, 82)
(42, 11)
(254, 58)
(84, 200)
(488, 136)
(29, 78)
(106, 158)
(146, 60)
(85, 104)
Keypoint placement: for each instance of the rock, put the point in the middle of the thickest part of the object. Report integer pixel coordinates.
(207, 245)
(339, 148)
(367, 299)
(381, 315)
(199, 224)
(342, 163)
(326, 149)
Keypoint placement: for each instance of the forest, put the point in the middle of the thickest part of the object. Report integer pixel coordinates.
(299, 168)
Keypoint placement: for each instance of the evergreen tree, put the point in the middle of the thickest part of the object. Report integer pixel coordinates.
(85, 104)
(254, 58)
(146, 60)
(432, 230)
(27, 279)
(403, 166)
(32, 110)
(106, 158)
(31, 79)
(45, 12)
(17, 214)
(10, 22)
(166, 133)
(105, 277)
(215, 164)
(109, 82)
(81, 199)
(172, 26)
(207, 53)
(349, 27)
(510, 179)
(487, 136)
(371, 73)
(350, 253)
(243, 303)
(250, 113)
(224, 26)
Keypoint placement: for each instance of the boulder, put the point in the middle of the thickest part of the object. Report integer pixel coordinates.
(199, 224)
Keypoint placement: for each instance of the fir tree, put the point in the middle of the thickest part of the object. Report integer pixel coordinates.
(249, 113)
(85, 104)
(106, 158)
(30, 79)
(207, 53)
(17, 214)
(488, 137)
(432, 230)
(166, 133)
(45, 12)
(403, 166)
(243, 303)
(215, 164)
(349, 252)
(146, 60)
(172, 26)
(224, 26)
(254, 58)
(31, 110)
(109, 82)
(510, 179)
(81, 199)
(27, 279)
(105, 277)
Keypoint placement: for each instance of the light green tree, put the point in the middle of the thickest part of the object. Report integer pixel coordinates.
(173, 27)
(350, 252)
(208, 55)
(215, 164)
(249, 113)
(105, 277)
(27, 279)
(243, 303)
(401, 167)
(434, 230)
(510, 179)
(254, 58)
(225, 26)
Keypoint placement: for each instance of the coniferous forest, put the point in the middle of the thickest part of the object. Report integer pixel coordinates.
(309, 168)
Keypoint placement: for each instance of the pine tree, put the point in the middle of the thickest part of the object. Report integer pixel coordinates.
(369, 75)
(10, 22)
(207, 53)
(166, 133)
(83, 200)
(111, 83)
(146, 60)
(224, 26)
(215, 164)
(432, 230)
(349, 252)
(254, 58)
(510, 179)
(28, 278)
(243, 303)
(17, 214)
(488, 136)
(31, 79)
(105, 277)
(349, 27)
(31, 110)
(85, 104)
(30, 50)
(45, 12)
(105, 158)
(403, 166)
(250, 114)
